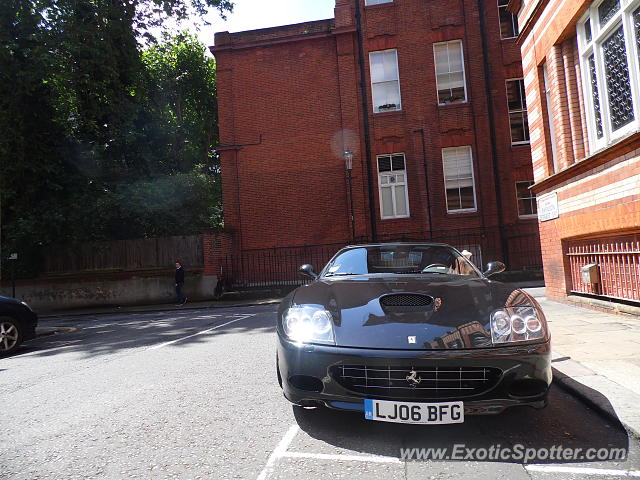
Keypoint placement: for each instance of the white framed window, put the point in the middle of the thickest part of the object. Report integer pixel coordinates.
(609, 46)
(392, 181)
(385, 81)
(376, 2)
(450, 76)
(527, 205)
(518, 120)
(508, 21)
(459, 181)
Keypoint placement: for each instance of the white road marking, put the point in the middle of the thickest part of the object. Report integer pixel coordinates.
(40, 352)
(160, 345)
(278, 452)
(583, 471)
(164, 322)
(343, 458)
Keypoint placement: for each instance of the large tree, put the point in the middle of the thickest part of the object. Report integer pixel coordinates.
(100, 138)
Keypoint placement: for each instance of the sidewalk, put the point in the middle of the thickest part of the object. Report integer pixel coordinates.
(596, 355)
(163, 307)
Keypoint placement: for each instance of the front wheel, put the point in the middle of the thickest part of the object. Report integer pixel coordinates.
(10, 335)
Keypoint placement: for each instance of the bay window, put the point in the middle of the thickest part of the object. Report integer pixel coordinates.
(609, 46)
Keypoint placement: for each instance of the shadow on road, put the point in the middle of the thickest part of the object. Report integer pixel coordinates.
(108, 334)
(565, 422)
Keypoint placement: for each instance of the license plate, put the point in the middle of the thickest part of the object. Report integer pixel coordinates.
(409, 412)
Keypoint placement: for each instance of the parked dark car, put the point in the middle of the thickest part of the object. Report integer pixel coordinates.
(411, 333)
(17, 324)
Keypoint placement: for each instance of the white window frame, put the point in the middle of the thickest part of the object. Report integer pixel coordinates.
(373, 96)
(464, 72)
(599, 34)
(473, 181)
(522, 110)
(532, 196)
(376, 2)
(392, 186)
(514, 20)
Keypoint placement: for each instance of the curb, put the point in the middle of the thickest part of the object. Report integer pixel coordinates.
(158, 308)
(584, 393)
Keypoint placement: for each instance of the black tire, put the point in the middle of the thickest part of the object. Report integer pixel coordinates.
(10, 335)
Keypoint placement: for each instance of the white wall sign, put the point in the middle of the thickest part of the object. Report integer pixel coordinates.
(548, 207)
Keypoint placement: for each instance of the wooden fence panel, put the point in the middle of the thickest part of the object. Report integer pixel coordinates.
(136, 254)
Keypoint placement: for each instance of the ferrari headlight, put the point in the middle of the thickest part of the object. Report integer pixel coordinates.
(308, 324)
(517, 324)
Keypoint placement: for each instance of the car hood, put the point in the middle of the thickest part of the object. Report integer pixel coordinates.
(9, 300)
(457, 318)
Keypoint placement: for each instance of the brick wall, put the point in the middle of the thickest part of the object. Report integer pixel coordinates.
(598, 191)
(290, 104)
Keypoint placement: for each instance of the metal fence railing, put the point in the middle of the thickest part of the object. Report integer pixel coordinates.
(618, 263)
(276, 266)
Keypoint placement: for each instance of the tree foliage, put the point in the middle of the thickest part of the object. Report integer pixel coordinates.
(101, 138)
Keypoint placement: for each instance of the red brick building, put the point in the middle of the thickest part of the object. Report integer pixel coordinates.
(428, 97)
(582, 78)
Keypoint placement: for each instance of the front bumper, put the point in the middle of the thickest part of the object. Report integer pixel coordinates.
(524, 380)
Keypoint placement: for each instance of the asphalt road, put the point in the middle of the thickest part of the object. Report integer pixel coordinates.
(193, 394)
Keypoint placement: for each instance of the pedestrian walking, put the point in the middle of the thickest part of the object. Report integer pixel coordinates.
(181, 299)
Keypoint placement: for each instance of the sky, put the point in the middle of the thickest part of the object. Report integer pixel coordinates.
(253, 14)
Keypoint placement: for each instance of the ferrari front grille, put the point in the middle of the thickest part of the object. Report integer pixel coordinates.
(406, 300)
(407, 382)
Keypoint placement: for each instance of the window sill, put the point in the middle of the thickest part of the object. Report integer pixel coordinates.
(462, 212)
(390, 112)
(528, 217)
(453, 105)
(616, 150)
(395, 218)
(622, 134)
(521, 144)
(380, 5)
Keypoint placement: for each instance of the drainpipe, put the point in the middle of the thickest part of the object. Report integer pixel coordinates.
(426, 178)
(365, 120)
(492, 129)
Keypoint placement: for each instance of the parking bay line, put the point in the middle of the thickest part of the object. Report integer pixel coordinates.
(75, 342)
(164, 322)
(278, 452)
(534, 468)
(160, 345)
(281, 451)
(343, 458)
(583, 470)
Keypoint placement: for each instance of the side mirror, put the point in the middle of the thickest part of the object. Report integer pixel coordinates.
(307, 270)
(493, 268)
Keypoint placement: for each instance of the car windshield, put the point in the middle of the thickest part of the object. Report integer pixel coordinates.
(400, 259)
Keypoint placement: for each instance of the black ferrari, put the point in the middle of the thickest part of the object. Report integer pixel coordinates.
(411, 333)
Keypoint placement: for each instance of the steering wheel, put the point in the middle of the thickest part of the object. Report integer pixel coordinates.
(434, 265)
